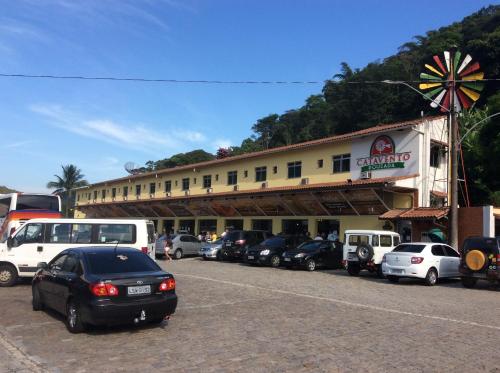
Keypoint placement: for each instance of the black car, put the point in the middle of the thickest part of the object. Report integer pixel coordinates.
(480, 259)
(269, 252)
(312, 254)
(104, 286)
(236, 243)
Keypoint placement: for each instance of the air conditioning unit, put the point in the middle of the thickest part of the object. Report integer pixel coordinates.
(186, 192)
(365, 175)
(209, 190)
(137, 196)
(264, 184)
(151, 195)
(236, 188)
(125, 198)
(168, 194)
(113, 198)
(304, 181)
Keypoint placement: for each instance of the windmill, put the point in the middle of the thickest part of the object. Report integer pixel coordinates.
(453, 84)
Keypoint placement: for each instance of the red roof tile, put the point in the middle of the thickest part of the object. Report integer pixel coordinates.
(418, 213)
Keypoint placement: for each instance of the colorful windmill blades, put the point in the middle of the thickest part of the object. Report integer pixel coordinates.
(465, 74)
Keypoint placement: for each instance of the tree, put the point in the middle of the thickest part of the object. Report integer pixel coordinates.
(70, 179)
(223, 153)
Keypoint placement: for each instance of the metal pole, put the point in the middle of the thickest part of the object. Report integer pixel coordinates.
(453, 234)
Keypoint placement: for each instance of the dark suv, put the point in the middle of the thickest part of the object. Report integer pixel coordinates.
(269, 252)
(480, 259)
(236, 243)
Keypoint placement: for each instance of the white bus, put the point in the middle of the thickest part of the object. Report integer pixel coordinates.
(16, 208)
(40, 240)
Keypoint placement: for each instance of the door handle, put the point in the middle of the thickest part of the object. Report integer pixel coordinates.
(39, 248)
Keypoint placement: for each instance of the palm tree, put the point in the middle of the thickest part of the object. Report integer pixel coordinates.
(70, 179)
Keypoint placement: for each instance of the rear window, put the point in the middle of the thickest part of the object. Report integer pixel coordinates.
(409, 248)
(119, 262)
(357, 239)
(310, 245)
(233, 236)
(27, 202)
(274, 242)
(488, 244)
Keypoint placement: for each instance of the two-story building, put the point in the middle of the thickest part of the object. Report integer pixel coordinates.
(384, 177)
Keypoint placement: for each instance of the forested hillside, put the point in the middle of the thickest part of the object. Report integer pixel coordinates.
(4, 189)
(349, 101)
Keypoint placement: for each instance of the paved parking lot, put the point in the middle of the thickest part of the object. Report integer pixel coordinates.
(232, 317)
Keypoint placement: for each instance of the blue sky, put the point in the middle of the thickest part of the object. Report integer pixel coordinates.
(100, 125)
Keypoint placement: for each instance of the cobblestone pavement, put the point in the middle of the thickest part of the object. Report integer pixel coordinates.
(233, 317)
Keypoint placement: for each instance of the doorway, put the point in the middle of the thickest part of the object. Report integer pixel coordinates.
(262, 225)
(168, 226)
(294, 226)
(326, 226)
(208, 225)
(234, 224)
(186, 226)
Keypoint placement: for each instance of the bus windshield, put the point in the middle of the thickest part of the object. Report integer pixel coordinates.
(37, 202)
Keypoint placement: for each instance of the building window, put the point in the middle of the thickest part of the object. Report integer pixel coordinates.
(88, 196)
(185, 184)
(138, 190)
(207, 181)
(216, 177)
(435, 159)
(176, 183)
(320, 163)
(152, 188)
(341, 163)
(232, 177)
(245, 174)
(103, 193)
(168, 186)
(113, 193)
(261, 173)
(78, 197)
(95, 194)
(275, 169)
(194, 180)
(125, 191)
(294, 169)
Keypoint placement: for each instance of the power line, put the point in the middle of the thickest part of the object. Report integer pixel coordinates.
(241, 82)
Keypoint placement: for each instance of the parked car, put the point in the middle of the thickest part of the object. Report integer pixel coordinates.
(364, 249)
(103, 286)
(270, 251)
(237, 242)
(40, 240)
(178, 245)
(210, 250)
(480, 260)
(425, 260)
(313, 254)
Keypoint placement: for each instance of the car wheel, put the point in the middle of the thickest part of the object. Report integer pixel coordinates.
(311, 265)
(431, 278)
(178, 254)
(8, 275)
(380, 274)
(37, 299)
(469, 282)
(353, 269)
(73, 319)
(275, 261)
(394, 279)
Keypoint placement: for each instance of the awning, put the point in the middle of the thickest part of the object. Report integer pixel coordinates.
(439, 194)
(418, 213)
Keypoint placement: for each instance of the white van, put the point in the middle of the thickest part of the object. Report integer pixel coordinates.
(40, 240)
(365, 249)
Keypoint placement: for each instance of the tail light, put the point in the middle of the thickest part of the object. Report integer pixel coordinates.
(103, 290)
(168, 284)
(240, 242)
(144, 249)
(416, 259)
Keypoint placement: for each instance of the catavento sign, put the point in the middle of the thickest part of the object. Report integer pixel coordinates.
(383, 156)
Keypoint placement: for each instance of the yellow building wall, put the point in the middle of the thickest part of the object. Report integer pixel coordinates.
(309, 158)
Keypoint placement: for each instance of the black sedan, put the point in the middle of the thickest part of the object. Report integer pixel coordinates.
(104, 286)
(313, 254)
(269, 252)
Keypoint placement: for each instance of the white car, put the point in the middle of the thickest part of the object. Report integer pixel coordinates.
(425, 260)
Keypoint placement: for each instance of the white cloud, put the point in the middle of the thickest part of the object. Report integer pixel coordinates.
(221, 143)
(138, 137)
(18, 144)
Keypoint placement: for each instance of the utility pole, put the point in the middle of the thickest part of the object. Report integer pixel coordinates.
(453, 227)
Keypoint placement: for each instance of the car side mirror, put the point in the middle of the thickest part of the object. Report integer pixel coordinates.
(42, 265)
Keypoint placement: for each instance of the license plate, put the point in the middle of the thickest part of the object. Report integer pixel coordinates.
(288, 260)
(398, 271)
(228, 244)
(137, 290)
(250, 257)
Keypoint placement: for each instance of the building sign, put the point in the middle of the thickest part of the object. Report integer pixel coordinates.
(383, 156)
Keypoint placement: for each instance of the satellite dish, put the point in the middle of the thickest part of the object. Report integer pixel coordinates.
(132, 168)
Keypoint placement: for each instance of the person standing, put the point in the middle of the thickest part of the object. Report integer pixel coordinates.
(167, 248)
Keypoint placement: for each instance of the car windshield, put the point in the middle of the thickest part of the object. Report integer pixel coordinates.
(310, 245)
(107, 262)
(274, 242)
(408, 248)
